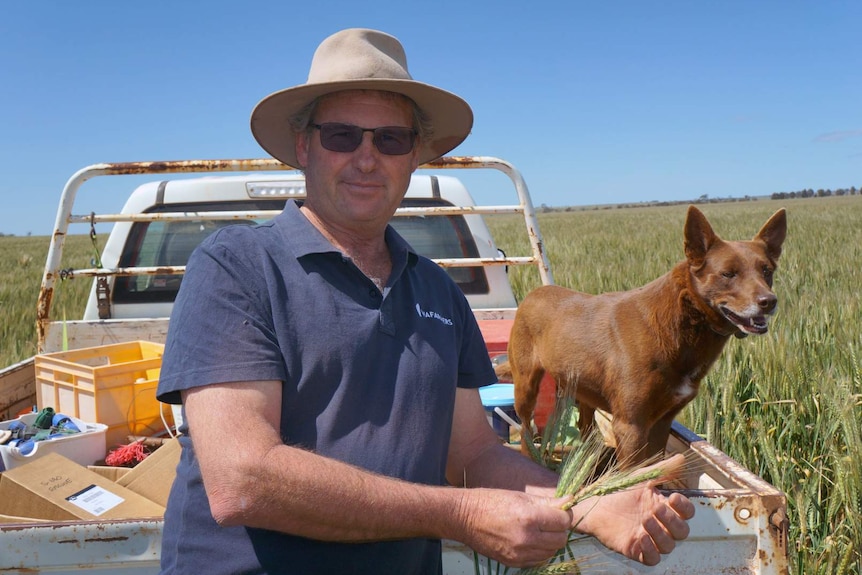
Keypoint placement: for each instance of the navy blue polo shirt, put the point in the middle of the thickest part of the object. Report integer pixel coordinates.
(369, 378)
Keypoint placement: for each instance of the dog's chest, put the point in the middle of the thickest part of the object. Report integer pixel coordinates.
(687, 387)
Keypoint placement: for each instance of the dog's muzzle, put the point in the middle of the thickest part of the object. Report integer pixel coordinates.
(757, 324)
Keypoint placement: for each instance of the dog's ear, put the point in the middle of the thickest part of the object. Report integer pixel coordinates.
(699, 236)
(773, 233)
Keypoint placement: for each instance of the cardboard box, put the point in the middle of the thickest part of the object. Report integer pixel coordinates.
(6, 519)
(154, 476)
(56, 488)
(108, 472)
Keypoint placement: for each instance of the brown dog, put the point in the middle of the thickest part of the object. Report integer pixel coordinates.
(641, 354)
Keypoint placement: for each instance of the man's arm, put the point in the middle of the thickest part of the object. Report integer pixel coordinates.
(253, 479)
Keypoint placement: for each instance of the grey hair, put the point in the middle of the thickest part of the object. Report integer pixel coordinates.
(301, 120)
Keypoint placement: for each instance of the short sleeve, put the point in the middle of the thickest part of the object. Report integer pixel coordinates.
(221, 325)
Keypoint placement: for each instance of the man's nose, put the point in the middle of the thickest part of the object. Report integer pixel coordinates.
(366, 154)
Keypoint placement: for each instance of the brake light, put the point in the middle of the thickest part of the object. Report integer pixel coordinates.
(275, 189)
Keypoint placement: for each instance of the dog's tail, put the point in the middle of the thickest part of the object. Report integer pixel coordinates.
(503, 371)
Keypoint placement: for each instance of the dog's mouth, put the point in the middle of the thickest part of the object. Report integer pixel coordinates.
(755, 325)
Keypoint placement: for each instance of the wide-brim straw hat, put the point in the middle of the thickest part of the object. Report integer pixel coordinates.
(360, 59)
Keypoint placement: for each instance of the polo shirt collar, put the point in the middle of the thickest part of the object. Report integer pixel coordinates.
(307, 239)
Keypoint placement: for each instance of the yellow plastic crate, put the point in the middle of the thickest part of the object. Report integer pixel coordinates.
(111, 384)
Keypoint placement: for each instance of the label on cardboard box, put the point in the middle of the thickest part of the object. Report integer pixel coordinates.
(95, 500)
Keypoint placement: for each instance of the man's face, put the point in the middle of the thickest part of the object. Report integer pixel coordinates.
(356, 191)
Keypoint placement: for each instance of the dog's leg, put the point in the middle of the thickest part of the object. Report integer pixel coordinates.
(658, 435)
(632, 442)
(527, 383)
(586, 419)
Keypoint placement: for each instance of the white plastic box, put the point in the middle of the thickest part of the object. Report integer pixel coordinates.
(85, 448)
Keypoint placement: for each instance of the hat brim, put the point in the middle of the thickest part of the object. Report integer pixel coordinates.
(451, 116)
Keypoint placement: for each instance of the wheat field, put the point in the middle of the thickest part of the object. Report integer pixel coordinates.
(787, 405)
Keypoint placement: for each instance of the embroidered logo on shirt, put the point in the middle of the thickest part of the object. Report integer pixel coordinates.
(432, 315)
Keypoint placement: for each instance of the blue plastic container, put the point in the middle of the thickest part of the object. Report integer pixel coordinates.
(502, 396)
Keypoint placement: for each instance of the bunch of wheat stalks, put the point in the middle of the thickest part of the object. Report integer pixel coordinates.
(584, 473)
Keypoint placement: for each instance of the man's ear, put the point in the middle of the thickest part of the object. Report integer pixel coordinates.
(301, 148)
(415, 162)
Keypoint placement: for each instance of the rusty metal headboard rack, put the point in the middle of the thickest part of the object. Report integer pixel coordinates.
(65, 217)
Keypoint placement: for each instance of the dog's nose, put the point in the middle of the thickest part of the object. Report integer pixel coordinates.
(767, 303)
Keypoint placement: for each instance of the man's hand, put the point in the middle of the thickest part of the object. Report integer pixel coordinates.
(641, 523)
(514, 528)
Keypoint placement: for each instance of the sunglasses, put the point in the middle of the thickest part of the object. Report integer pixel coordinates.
(389, 140)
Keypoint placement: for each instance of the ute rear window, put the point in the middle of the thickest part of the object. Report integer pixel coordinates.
(440, 237)
(170, 243)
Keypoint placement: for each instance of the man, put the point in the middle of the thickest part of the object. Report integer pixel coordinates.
(328, 423)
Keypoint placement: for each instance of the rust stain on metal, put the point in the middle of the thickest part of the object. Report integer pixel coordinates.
(161, 167)
(158, 217)
(779, 523)
(541, 247)
(449, 161)
(44, 303)
(94, 540)
(43, 308)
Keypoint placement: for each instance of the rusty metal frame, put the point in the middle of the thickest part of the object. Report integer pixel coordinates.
(65, 217)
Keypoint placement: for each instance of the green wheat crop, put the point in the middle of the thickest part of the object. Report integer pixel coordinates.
(22, 261)
(787, 405)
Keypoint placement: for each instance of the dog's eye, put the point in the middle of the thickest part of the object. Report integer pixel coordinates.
(729, 274)
(767, 272)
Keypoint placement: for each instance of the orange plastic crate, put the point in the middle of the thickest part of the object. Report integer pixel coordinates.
(111, 384)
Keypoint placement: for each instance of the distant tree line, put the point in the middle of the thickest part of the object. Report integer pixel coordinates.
(705, 199)
(821, 193)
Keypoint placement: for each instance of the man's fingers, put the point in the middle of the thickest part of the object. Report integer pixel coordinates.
(663, 529)
(674, 520)
(648, 554)
(682, 505)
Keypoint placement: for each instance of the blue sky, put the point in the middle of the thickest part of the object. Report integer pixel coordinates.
(595, 102)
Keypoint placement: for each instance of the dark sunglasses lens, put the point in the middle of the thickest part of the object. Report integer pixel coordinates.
(394, 141)
(390, 140)
(340, 137)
